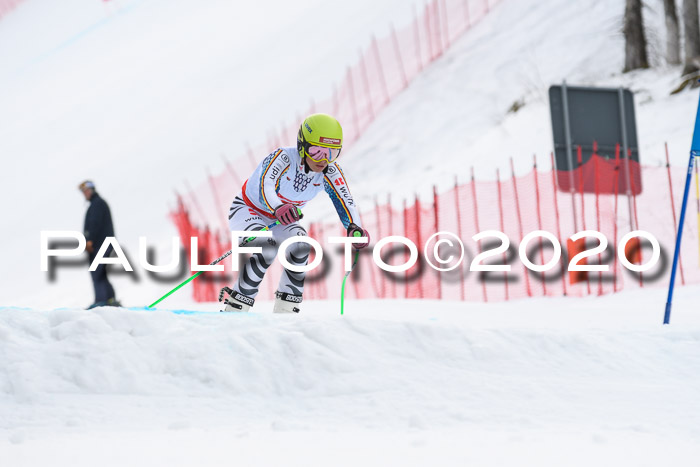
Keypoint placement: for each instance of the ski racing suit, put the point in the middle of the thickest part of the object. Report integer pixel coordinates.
(279, 179)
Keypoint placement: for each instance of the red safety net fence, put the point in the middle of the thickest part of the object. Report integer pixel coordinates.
(604, 195)
(514, 205)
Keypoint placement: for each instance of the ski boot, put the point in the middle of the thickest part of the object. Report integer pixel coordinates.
(285, 303)
(109, 302)
(235, 301)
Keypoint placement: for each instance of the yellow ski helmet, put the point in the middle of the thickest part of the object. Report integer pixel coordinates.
(320, 137)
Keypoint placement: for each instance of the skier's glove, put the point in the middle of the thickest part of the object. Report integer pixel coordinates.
(287, 214)
(352, 228)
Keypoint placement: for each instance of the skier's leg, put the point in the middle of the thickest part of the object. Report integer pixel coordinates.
(251, 273)
(291, 286)
(253, 270)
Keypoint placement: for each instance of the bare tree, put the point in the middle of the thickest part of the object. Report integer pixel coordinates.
(691, 34)
(673, 37)
(635, 42)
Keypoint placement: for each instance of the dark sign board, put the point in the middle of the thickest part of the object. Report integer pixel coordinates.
(595, 121)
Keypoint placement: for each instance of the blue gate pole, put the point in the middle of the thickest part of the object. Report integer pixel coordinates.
(694, 152)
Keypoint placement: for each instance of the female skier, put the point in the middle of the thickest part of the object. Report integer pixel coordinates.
(283, 182)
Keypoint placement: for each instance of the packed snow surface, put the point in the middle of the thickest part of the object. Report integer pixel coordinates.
(598, 381)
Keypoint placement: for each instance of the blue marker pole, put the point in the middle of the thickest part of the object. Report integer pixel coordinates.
(694, 152)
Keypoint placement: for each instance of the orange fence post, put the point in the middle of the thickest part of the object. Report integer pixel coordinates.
(466, 13)
(617, 189)
(365, 78)
(417, 35)
(556, 213)
(596, 174)
(355, 116)
(380, 69)
(582, 242)
(391, 225)
(635, 246)
(673, 210)
(419, 281)
(520, 225)
(399, 58)
(436, 212)
(429, 32)
(476, 224)
(502, 225)
(539, 218)
(459, 233)
(446, 23)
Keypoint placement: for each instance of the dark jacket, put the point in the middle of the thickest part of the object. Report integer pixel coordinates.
(98, 222)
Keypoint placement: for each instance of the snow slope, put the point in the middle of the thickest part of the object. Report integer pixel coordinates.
(456, 114)
(594, 382)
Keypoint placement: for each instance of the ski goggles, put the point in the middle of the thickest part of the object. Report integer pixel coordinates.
(320, 153)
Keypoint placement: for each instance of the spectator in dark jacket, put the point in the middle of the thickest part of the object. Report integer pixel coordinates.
(98, 226)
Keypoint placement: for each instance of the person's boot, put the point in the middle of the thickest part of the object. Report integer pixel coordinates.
(286, 303)
(235, 301)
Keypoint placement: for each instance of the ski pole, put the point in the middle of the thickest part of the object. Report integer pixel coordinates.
(342, 289)
(694, 152)
(216, 261)
(697, 196)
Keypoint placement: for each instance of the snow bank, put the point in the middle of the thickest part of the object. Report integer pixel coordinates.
(391, 374)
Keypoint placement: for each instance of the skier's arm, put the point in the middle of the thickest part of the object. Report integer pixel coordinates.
(337, 189)
(273, 169)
